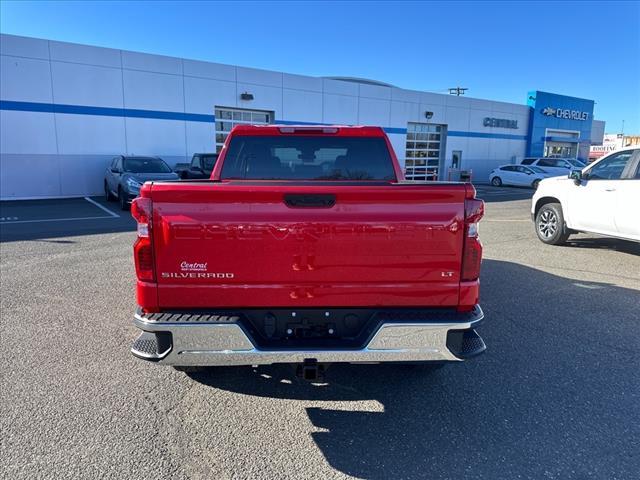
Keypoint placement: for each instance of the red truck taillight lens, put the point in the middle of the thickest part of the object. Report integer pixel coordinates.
(472, 251)
(141, 210)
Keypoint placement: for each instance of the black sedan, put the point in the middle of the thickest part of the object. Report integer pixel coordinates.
(125, 176)
(200, 167)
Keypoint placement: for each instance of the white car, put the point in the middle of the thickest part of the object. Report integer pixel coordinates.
(602, 198)
(517, 175)
(555, 166)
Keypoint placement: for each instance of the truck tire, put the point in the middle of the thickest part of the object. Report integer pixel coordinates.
(496, 181)
(550, 226)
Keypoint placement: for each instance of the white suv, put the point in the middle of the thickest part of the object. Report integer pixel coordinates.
(554, 166)
(603, 198)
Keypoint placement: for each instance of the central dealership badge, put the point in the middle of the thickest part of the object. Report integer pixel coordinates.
(196, 270)
(193, 267)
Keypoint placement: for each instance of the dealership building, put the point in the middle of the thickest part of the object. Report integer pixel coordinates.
(68, 109)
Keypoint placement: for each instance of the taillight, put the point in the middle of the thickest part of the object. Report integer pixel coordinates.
(472, 251)
(141, 210)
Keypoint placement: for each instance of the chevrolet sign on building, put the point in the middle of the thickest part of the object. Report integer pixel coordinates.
(559, 126)
(565, 113)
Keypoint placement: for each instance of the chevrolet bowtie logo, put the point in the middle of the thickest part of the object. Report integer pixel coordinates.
(549, 111)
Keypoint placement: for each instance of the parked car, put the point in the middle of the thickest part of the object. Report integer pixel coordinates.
(518, 175)
(554, 166)
(200, 167)
(298, 254)
(125, 175)
(600, 198)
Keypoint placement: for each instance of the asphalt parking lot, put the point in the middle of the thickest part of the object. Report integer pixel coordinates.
(556, 395)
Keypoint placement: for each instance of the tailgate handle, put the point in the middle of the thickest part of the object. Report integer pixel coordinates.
(306, 200)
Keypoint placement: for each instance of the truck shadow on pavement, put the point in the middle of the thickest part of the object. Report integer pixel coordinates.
(554, 396)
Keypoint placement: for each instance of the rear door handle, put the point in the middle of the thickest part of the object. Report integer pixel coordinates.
(609, 189)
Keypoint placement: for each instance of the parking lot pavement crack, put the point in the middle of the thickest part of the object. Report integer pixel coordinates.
(163, 416)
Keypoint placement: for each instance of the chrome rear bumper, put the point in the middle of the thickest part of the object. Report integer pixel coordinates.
(216, 343)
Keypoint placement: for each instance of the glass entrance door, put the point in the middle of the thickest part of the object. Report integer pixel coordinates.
(560, 150)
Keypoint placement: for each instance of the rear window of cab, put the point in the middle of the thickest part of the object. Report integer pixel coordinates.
(307, 157)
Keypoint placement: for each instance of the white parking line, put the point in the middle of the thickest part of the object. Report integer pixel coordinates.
(504, 220)
(54, 220)
(113, 214)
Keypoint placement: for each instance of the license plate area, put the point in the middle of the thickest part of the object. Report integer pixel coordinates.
(310, 328)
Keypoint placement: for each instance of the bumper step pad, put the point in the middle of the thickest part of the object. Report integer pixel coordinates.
(465, 343)
(152, 346)
(189, 318)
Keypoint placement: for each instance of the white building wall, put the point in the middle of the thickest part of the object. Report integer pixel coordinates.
(597, 132)
(46, 154)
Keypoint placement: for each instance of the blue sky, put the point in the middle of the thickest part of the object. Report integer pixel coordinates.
(499, 50)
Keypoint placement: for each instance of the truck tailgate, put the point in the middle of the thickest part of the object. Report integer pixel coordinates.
(239, 245)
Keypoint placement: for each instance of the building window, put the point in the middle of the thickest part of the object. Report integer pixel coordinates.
(423, 151)
(227, 118)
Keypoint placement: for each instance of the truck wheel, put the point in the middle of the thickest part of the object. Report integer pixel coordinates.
(535, 184)
(107, 193)
(550, 224)
(122, 198)
(496, 181)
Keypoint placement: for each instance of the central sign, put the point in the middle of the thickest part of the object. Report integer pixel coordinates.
(499, 122)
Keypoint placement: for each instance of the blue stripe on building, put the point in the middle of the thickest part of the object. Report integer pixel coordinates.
(194, 117)
(104, 111)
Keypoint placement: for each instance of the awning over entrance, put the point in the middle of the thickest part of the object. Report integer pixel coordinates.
(562, 139)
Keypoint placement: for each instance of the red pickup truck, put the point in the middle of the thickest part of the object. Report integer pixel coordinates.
(306, 246)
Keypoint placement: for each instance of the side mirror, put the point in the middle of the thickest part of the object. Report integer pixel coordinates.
(576, 176)
(115, 170)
